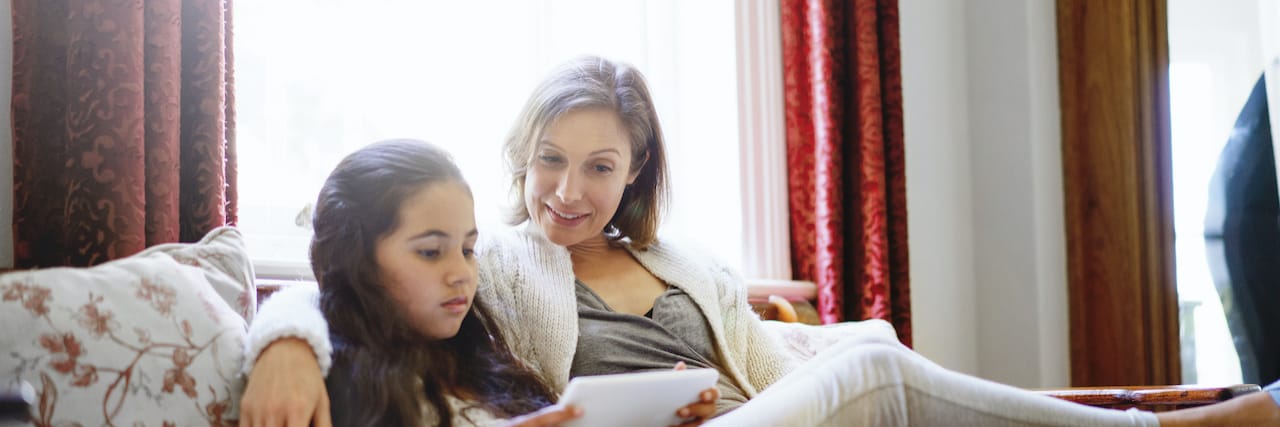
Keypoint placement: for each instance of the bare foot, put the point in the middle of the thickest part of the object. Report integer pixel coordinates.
(1253, 409)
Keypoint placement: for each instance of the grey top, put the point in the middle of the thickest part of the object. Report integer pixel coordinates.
(610, 342)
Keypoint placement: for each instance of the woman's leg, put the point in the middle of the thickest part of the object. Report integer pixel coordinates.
(875, 381)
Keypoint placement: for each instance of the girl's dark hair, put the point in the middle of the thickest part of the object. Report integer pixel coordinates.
(383, 367)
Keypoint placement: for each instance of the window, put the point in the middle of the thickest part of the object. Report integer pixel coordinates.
(345, 73)
(1209, 355)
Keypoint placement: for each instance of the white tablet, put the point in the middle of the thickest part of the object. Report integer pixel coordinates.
(641, 399)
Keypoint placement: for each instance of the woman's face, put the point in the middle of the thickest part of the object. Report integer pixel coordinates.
(577, 175)
(428, 262)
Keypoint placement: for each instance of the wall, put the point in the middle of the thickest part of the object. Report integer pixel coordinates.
(984, 181)
(939, 198)
(6, 136)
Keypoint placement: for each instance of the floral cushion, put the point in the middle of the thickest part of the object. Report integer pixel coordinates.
(154, 339)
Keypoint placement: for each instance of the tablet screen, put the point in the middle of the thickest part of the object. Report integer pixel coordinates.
(636, 399)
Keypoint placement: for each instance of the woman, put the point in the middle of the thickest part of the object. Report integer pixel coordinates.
(584, 287)
(393, 252)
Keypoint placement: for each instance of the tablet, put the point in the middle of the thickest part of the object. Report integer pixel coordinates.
(640, 399)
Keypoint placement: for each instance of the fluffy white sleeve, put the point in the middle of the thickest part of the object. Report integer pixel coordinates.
(290, 312)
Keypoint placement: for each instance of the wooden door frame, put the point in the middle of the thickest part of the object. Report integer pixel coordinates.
(1113, 70)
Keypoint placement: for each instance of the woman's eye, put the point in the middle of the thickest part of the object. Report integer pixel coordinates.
(468, 252)
(550, 159)
(429, 253)
(603, 169)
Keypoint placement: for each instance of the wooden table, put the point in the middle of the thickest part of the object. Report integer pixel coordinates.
(1151, 398)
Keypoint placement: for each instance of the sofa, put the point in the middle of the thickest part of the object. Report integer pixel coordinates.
(157, 338)
(153, 339)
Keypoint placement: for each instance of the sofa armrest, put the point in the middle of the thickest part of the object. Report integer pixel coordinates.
(1151, 398)
(803, 342)
(781, 309)
(268, 287)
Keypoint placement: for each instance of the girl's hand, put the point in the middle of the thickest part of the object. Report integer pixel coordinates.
(698, 412)
(549, 416)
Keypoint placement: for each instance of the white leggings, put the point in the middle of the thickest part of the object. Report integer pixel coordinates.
(873, 381)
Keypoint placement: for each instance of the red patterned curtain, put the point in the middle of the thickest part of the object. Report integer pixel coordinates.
(843, 90)
(122, 126)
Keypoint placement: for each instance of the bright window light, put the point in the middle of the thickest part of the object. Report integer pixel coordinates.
(316, 80)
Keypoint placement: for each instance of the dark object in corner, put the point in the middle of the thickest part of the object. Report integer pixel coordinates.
(15, 401)
(1242, 238)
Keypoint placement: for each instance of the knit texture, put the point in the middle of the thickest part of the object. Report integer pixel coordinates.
(527, 283)
(291, 312)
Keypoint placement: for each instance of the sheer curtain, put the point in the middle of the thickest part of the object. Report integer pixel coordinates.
(318, 79)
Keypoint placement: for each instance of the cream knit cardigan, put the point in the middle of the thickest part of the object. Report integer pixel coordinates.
(527, 285)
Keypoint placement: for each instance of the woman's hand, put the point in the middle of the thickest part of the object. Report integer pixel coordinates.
(285, 388)
(698, 412)
(546, 417)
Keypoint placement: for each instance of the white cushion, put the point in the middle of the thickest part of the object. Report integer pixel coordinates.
(151, 339)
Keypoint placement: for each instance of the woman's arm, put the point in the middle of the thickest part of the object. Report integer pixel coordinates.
(291, 312)
(285, 388)
(763, 358)
(286, 357)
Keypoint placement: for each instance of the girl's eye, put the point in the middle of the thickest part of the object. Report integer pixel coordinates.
(429, 253)
(468, 252)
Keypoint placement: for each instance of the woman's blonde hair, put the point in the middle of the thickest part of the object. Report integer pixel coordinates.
(593, 82)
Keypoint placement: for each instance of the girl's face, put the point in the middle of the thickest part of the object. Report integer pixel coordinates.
(428, 262)
(577, 175)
